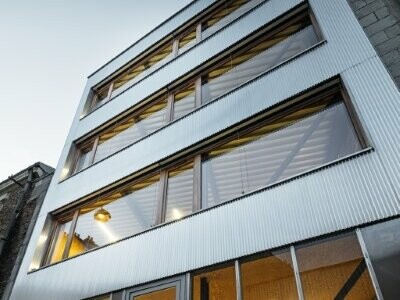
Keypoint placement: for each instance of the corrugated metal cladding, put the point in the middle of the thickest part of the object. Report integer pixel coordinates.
(186, 62)
(150, 39)
(353, 192)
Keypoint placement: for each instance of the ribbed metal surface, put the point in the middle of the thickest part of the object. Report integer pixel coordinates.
(185, 63)
(153, 37)
(353, 192)
(300, 74)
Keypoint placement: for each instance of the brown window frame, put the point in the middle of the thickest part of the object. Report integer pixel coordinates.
(197, 152)
(303, 11)
(196, 24)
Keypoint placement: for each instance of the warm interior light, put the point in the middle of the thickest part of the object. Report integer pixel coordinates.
(102, 215)
(176, 214)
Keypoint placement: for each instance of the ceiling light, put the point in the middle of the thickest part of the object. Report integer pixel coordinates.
(102, 215)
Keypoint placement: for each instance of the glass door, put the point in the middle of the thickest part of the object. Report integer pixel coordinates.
(172, 289)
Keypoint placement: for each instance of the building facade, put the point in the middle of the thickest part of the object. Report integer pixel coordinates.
(243, 149)
(21, 196)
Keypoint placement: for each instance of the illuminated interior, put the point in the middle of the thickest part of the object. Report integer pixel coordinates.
(165, 294)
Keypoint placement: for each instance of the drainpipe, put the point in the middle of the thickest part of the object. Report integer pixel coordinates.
(26, 190)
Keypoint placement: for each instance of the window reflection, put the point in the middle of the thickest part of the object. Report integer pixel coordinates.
(271, 277)
(288, 42)
(179, 200)
(315, 134)
(165, 294)
(184, 102)
(131, 130)
(334, 269)
(59, 242)
(383, 245)
(218, 284)
(132, 210)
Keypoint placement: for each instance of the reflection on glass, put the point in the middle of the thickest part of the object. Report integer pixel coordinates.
(334, 269)
(383, 245)
(132, 210)
(184, 102)
(131, 130)
(60, 240)
(271, 277)
(314, 135)
(230, 11)
(84, 157)
(268, 53)
(187, 41)
(138, 72)
(100, 97)
(179, 192)
(165, 294)
(218, 284)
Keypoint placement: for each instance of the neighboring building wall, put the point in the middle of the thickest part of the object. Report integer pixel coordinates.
(15, 246)
(381, 22)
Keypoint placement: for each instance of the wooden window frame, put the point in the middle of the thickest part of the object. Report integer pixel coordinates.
(196, 23)
(198, 79)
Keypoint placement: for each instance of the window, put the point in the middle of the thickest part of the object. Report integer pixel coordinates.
(218, 284)
(271, 49)
(334, 269)
(383, 245)
(300, 135)
(307, 137)
(265, 52)
(271, 277)
(221, 17)
(169, 289)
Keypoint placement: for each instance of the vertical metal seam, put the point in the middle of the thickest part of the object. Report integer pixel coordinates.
(238, 281)
(188, 287)
(374, 279)
(296, 273)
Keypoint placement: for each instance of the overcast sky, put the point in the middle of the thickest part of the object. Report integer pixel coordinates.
(47, 50)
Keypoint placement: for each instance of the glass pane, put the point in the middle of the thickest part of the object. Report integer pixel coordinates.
(60, 239)
(383, 245)
(269, 52)
(271, 277)
(130, 211)
(100, 97)
(166, 294)
(140, 71)
(131, 130)
(185, 102)
(179, 193)
(84, 156)
(314, 135)
(187, 41)
(334, 269)
(219, 284)
(229, 12)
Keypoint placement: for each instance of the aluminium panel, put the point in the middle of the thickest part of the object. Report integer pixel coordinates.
(353, 192)
(335, 198)
(163, 30)
(185, 63)
(328, 60)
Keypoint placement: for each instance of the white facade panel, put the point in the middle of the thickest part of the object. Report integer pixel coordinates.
(356, 191)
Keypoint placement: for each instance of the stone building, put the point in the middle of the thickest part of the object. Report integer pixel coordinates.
(21, 196)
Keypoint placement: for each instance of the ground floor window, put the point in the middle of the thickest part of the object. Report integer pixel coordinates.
(359, 264)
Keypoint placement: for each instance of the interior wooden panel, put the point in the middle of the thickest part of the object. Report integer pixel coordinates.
(165, 294)
(221, 284)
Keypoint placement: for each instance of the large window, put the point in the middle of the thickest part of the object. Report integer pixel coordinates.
(211, 23)
(307, 137)
(272, 48)
(383, 246)
(301, 135)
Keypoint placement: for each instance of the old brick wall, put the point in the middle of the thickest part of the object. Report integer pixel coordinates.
(381, 22)
(15, 248)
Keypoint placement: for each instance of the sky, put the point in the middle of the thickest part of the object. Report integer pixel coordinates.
(48, 48)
